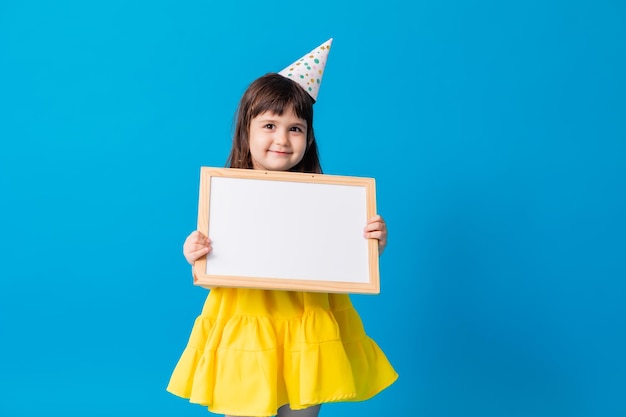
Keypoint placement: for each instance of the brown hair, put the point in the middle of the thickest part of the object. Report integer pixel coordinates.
(274, 93)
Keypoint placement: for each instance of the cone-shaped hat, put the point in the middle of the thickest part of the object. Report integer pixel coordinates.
(308, 70)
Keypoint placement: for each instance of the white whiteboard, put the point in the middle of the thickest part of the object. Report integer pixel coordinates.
(292, 231)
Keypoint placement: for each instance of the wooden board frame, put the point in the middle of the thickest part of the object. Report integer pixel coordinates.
(363, 260)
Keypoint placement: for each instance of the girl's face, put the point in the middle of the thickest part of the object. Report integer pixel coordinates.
(277, 142)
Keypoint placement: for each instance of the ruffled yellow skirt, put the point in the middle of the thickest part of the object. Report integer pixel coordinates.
(251, 351)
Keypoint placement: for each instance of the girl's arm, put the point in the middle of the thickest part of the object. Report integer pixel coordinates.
(376, 229)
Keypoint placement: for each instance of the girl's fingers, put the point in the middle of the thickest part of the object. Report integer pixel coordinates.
(199, 248)
(196, 236)
(193, 236)
(193, 256)
(376, 229)
(375, 223)
(374, 226)
(375, 235)
(201, 251)
(196, 239)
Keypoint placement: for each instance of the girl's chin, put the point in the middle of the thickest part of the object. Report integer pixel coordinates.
(274, 167)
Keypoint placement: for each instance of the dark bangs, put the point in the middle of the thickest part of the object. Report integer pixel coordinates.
(276, 94)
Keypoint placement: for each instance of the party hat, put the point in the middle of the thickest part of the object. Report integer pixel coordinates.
(308, 70)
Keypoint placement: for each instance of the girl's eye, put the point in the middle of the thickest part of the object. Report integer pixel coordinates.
(296, 129)
(269, 126)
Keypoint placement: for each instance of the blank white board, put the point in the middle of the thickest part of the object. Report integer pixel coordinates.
(287, 231)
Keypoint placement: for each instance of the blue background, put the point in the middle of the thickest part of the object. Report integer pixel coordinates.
(495, 130)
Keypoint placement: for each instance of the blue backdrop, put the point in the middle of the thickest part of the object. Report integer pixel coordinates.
(495, 130)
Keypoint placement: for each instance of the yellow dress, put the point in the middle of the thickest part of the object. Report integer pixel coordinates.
(251, 351)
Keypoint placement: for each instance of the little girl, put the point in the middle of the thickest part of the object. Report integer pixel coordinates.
(264, 352)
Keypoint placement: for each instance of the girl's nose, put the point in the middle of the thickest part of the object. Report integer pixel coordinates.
(281, 137)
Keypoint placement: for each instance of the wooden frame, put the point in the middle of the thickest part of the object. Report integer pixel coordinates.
(287, 231)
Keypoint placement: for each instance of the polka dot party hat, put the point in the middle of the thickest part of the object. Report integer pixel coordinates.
(308, 70)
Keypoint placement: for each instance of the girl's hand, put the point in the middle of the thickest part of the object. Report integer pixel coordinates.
(376, 229)
(196, 245)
